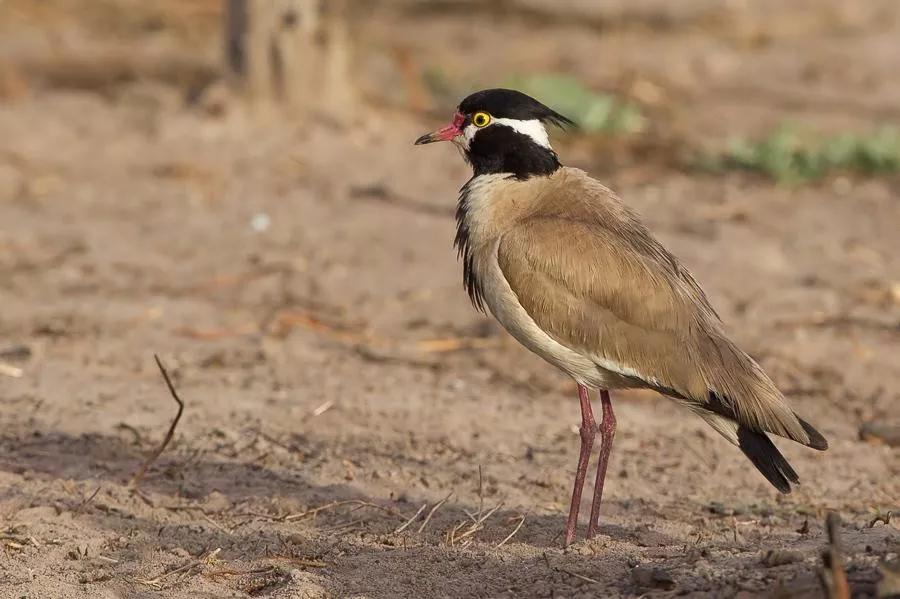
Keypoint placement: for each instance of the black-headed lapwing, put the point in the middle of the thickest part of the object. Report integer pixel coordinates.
(571, 272)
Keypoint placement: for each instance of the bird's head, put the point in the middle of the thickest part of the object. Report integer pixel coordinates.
(503, 131)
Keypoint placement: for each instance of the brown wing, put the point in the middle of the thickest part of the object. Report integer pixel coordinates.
(610, 291)
(591, 292)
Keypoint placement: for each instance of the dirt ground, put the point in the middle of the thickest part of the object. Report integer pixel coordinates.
(297, 279)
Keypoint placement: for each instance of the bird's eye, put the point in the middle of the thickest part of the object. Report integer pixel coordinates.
(481, 119)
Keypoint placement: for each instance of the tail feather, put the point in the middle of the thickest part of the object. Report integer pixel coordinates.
(767, 459)
(720, 413)
(757, 447)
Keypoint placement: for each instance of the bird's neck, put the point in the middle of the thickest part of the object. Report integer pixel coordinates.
(499, 149)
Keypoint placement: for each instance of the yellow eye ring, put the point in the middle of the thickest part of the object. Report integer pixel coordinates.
(481, 119)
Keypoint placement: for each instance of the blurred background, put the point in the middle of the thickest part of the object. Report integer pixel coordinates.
(232, 184)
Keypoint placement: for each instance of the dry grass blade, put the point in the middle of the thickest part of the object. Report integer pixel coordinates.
(553, 568)
(215, 524)
(452, 538)
(334, 504)
(323, 408)
(232, 572)
(306, 563)
(432, 511)
(185, 569)
(480, 491)
(579, 576)
(139, 474)
(85, 502)
(513, 533)
(412, 519)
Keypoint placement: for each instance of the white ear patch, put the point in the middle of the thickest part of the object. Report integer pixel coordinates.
(533, 129)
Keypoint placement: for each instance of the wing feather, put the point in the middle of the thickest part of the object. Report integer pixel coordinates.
(603, 286)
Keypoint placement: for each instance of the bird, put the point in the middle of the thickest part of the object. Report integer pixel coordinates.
(572, 273)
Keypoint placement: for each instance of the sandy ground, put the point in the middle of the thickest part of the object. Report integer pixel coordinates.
(298, 281)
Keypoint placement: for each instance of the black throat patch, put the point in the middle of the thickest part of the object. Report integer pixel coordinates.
(501, 149)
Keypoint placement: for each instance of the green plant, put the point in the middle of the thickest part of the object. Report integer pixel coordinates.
(788, 156)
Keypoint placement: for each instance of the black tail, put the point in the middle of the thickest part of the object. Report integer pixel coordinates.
(767, 459)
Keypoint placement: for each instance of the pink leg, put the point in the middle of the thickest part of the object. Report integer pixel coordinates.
(607, 433)
(588, 432)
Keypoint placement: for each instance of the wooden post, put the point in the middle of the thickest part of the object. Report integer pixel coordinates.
(270, 48)
(339, 90)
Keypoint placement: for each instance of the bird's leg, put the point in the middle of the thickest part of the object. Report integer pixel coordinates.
(607, 432)
(588, 432)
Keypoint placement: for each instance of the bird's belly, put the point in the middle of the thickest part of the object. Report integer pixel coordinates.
(505, 306)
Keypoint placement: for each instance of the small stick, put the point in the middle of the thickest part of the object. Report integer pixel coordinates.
(577, 575)
(480, 492)
(84, 503)
(313, 511)
(569, 572)
(433, 510)
(139, 474)
(215, 524)
(231, 572)
(513, 533)
(475, 526)
(157, 582)
(349, 525)
(327, 506)
(451, 535)
(323, 408)
(306, 563)
(406, 524)
(489, 513)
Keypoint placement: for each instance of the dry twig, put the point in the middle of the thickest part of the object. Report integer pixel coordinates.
(433, 510)
(299, 561)
(452, 538)
(85, 502)
(380, 193)
(569, 572)
(513, 533)
(183, 570)
(323, 408)
(406, 524)
(833, 576)
(232, 572)
(334, 504)
(139, 474)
